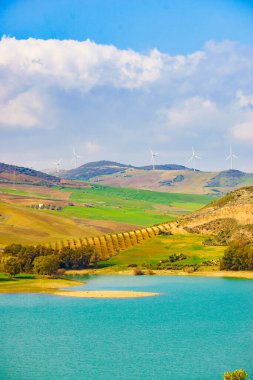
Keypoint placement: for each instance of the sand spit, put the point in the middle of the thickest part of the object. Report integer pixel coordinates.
(104, 294)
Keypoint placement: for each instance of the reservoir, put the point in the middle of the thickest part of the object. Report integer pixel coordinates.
(197, 329)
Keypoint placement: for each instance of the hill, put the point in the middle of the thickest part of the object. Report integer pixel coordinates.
(38, 214)
(166, 178)
(18, 174)
(230, 217)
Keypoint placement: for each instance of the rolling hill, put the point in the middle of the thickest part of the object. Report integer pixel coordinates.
(229, 218)
(166, 178)
(18, 174)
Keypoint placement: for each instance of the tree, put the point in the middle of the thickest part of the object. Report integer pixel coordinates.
(239, 374)
(12, 266)
(46, 265)
(238, 256)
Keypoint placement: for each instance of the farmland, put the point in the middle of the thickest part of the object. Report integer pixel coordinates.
(84, 212)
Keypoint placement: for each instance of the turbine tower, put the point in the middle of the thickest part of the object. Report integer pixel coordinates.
(75, 157)
(193, 159)
(57, 164)
(153, 156)
(231, 157)
(14, 178)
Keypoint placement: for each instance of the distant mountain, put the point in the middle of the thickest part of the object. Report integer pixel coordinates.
(22, 175)
(168, 178)
(103, 168)
(95, 169)
(227, 178)
(165, 167)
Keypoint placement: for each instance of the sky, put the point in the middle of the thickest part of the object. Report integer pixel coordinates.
(114, 79)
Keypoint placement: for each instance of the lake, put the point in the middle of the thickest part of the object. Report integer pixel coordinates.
(196, 330)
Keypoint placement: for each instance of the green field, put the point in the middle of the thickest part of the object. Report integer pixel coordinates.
(139, 207)
(108, 209)
(161, 247)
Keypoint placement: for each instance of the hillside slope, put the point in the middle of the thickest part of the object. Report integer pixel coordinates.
(166, 178)
(230, 217)
(18, 174)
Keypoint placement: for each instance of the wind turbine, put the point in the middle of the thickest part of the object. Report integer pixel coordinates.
(14, 178)
(231, 157)
(153, 156)
(57, 164)
(75, 157)
(193, 159)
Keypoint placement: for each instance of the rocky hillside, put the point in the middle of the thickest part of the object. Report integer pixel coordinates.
(20, 175)
(230, 217)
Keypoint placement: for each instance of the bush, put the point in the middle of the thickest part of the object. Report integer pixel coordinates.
(46, 265)
(39, 258)
(239, 374)
(11, 266)
(238, 256)
(138, 272)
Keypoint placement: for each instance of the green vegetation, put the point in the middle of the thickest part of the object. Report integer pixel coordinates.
(5, 190)
(45, 261)
(238, 256)
(177, 251)
(239, 374)
(118, 196)
(25, 283)
(114, 207)
(132, 215)
(139, 207)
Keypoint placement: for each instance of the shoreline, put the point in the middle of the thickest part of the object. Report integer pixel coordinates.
(225, 274)
(105, 294)
(57, 287)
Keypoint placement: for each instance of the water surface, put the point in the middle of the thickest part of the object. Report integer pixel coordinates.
(197, 329)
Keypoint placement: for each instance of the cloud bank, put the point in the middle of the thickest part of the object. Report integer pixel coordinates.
(119, 103)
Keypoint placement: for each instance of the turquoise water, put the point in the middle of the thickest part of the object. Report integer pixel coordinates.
(197, 329)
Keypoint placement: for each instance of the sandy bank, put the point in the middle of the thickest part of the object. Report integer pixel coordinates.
(230, 274)
(104, 294)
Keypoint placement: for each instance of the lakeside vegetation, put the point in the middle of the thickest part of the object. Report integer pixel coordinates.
(176, 251)
(30, 283)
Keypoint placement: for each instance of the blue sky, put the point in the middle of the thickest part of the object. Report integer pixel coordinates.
(120, 77)
(176, 27)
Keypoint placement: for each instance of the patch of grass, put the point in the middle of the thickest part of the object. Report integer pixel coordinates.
(133, 206)
(161, 247)
(118, 196)
(125, 215)
(33, 284)
(22, 192)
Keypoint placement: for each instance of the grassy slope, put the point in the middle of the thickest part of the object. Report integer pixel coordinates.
(156, 249)
(134, 207)
(141, 207)
(28, 226)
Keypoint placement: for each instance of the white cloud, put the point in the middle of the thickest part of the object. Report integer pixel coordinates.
(23, 110)
(78, 92)
(244, 130)
(244, 100)
(190, 111)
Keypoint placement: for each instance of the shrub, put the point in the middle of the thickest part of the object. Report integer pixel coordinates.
(46, 265)
(238, 256)
(11, 266)
(239, 374)
(138, 272)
